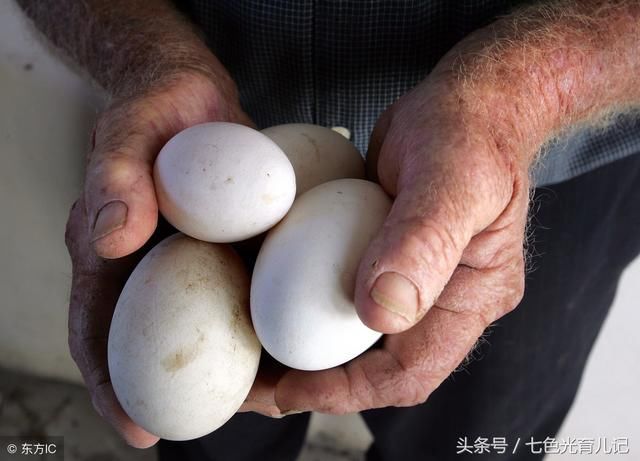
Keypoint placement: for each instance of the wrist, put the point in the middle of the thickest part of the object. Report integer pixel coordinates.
(163, 107)
(128, 47)
(515, 110)
(480, 124)
(193, 64)
(546, 69)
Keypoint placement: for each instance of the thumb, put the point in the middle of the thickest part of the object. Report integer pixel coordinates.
(407, 265)
(119, 190)
(119, 194)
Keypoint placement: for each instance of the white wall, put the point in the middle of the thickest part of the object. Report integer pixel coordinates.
(46, 113)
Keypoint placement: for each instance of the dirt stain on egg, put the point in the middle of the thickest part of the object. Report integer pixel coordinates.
(268, 198)
(182, 356)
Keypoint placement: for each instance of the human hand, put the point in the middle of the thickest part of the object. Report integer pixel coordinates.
(117, 214)
(446, 264)
(455, 152)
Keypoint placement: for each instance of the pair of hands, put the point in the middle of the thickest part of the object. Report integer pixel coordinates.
(447, 262)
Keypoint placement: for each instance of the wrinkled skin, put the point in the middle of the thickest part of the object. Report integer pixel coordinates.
(455, 232)
(127, 138)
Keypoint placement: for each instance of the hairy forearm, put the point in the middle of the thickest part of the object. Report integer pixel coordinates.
(125, 45)
(548, 68)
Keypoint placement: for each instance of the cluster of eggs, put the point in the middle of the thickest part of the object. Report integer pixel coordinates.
(188, 329)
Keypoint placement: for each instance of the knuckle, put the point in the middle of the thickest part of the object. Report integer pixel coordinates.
(377, 384)
(120, 132)
(113, 161)
(114, 173)
(413, 393)
(440, 250)
(413, 389)
(362, 390)
(435, 236)
(107, 132)
(432, 245)
(401, 385)
(117, 118)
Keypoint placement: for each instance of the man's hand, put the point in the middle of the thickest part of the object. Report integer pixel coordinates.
(449, 258)
(161, 79)
(117, 214)
(455, 152)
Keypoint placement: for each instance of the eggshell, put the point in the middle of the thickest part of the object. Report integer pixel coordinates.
(304, 278)
(222, 182)
(318, 154)
(182, 351)
(342, 131)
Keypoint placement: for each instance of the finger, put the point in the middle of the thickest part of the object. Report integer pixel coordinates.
(439, 207)
(119, 192)
(404, 373)
(88, 333)
(490, 278)
(490, 293)
(261, 398)
(94, 292)
(409, 262)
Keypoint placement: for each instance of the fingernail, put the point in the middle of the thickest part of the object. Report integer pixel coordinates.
(397, 294)
(291, 412)
(111, 217)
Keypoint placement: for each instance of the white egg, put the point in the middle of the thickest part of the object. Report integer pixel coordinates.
(304, 278)
(318, 154)
(342, 131)
(182, 352)
(222, 182)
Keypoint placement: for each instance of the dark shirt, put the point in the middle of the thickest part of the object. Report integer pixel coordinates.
(343, 62)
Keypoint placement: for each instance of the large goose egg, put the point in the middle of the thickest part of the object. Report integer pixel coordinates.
(223, 182)
(182, 352)
(318, 154)
(304, 279)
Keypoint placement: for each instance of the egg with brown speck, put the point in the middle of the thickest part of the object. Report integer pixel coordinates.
(223, 182)
(182, 351)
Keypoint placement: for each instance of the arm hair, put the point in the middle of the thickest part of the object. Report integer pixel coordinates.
(551, 67)
(125, 45)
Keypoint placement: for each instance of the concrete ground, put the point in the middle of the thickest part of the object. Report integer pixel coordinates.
(35, 407)
(40, 407)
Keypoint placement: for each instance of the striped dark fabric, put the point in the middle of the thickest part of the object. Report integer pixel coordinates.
(340, 62)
